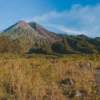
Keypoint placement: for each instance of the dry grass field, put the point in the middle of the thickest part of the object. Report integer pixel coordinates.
(47, 77)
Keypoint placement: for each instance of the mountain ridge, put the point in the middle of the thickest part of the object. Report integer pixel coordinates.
(35, 29)
(28, 36)
(35, 38)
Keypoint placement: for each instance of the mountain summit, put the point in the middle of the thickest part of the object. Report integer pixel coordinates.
(35, 38)
(19, 29)
(30, 34)
(20, 24)
(30, 29)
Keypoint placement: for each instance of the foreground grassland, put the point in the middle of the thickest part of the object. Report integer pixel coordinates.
(43, 77)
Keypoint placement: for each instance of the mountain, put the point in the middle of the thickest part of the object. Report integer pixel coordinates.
(33, 38)
(30, 35)
(31, 29)
(21, 28)
(71, 45)
(42, 31)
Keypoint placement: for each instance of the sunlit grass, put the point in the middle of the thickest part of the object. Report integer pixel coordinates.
(36, 77)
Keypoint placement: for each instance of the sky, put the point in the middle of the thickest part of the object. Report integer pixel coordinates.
(72, 17)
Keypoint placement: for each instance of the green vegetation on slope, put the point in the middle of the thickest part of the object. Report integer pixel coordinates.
(76, 44)
(7, 46)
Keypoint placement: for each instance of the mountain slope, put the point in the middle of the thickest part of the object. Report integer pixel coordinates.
(19, 29)
(30, 29)
(77, 44)
(29, 35)
(35, 38)
(7, 46)
(42, 31)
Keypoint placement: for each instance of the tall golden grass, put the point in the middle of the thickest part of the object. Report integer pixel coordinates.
(38, 77)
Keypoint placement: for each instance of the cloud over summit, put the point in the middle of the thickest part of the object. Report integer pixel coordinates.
(79, 19)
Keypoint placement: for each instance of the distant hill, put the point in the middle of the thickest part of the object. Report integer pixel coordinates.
(83, 36)
(97, 38)
(81, 45)
(33, 38)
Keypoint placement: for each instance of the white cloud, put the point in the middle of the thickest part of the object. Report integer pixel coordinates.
(78, 19)
(65, 29)
(47, 16)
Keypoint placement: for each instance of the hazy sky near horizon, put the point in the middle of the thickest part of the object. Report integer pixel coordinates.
(61, 16)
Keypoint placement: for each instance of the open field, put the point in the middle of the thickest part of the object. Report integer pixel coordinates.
(47, 77)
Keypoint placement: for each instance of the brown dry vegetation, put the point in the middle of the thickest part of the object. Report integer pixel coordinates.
(38, 77)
